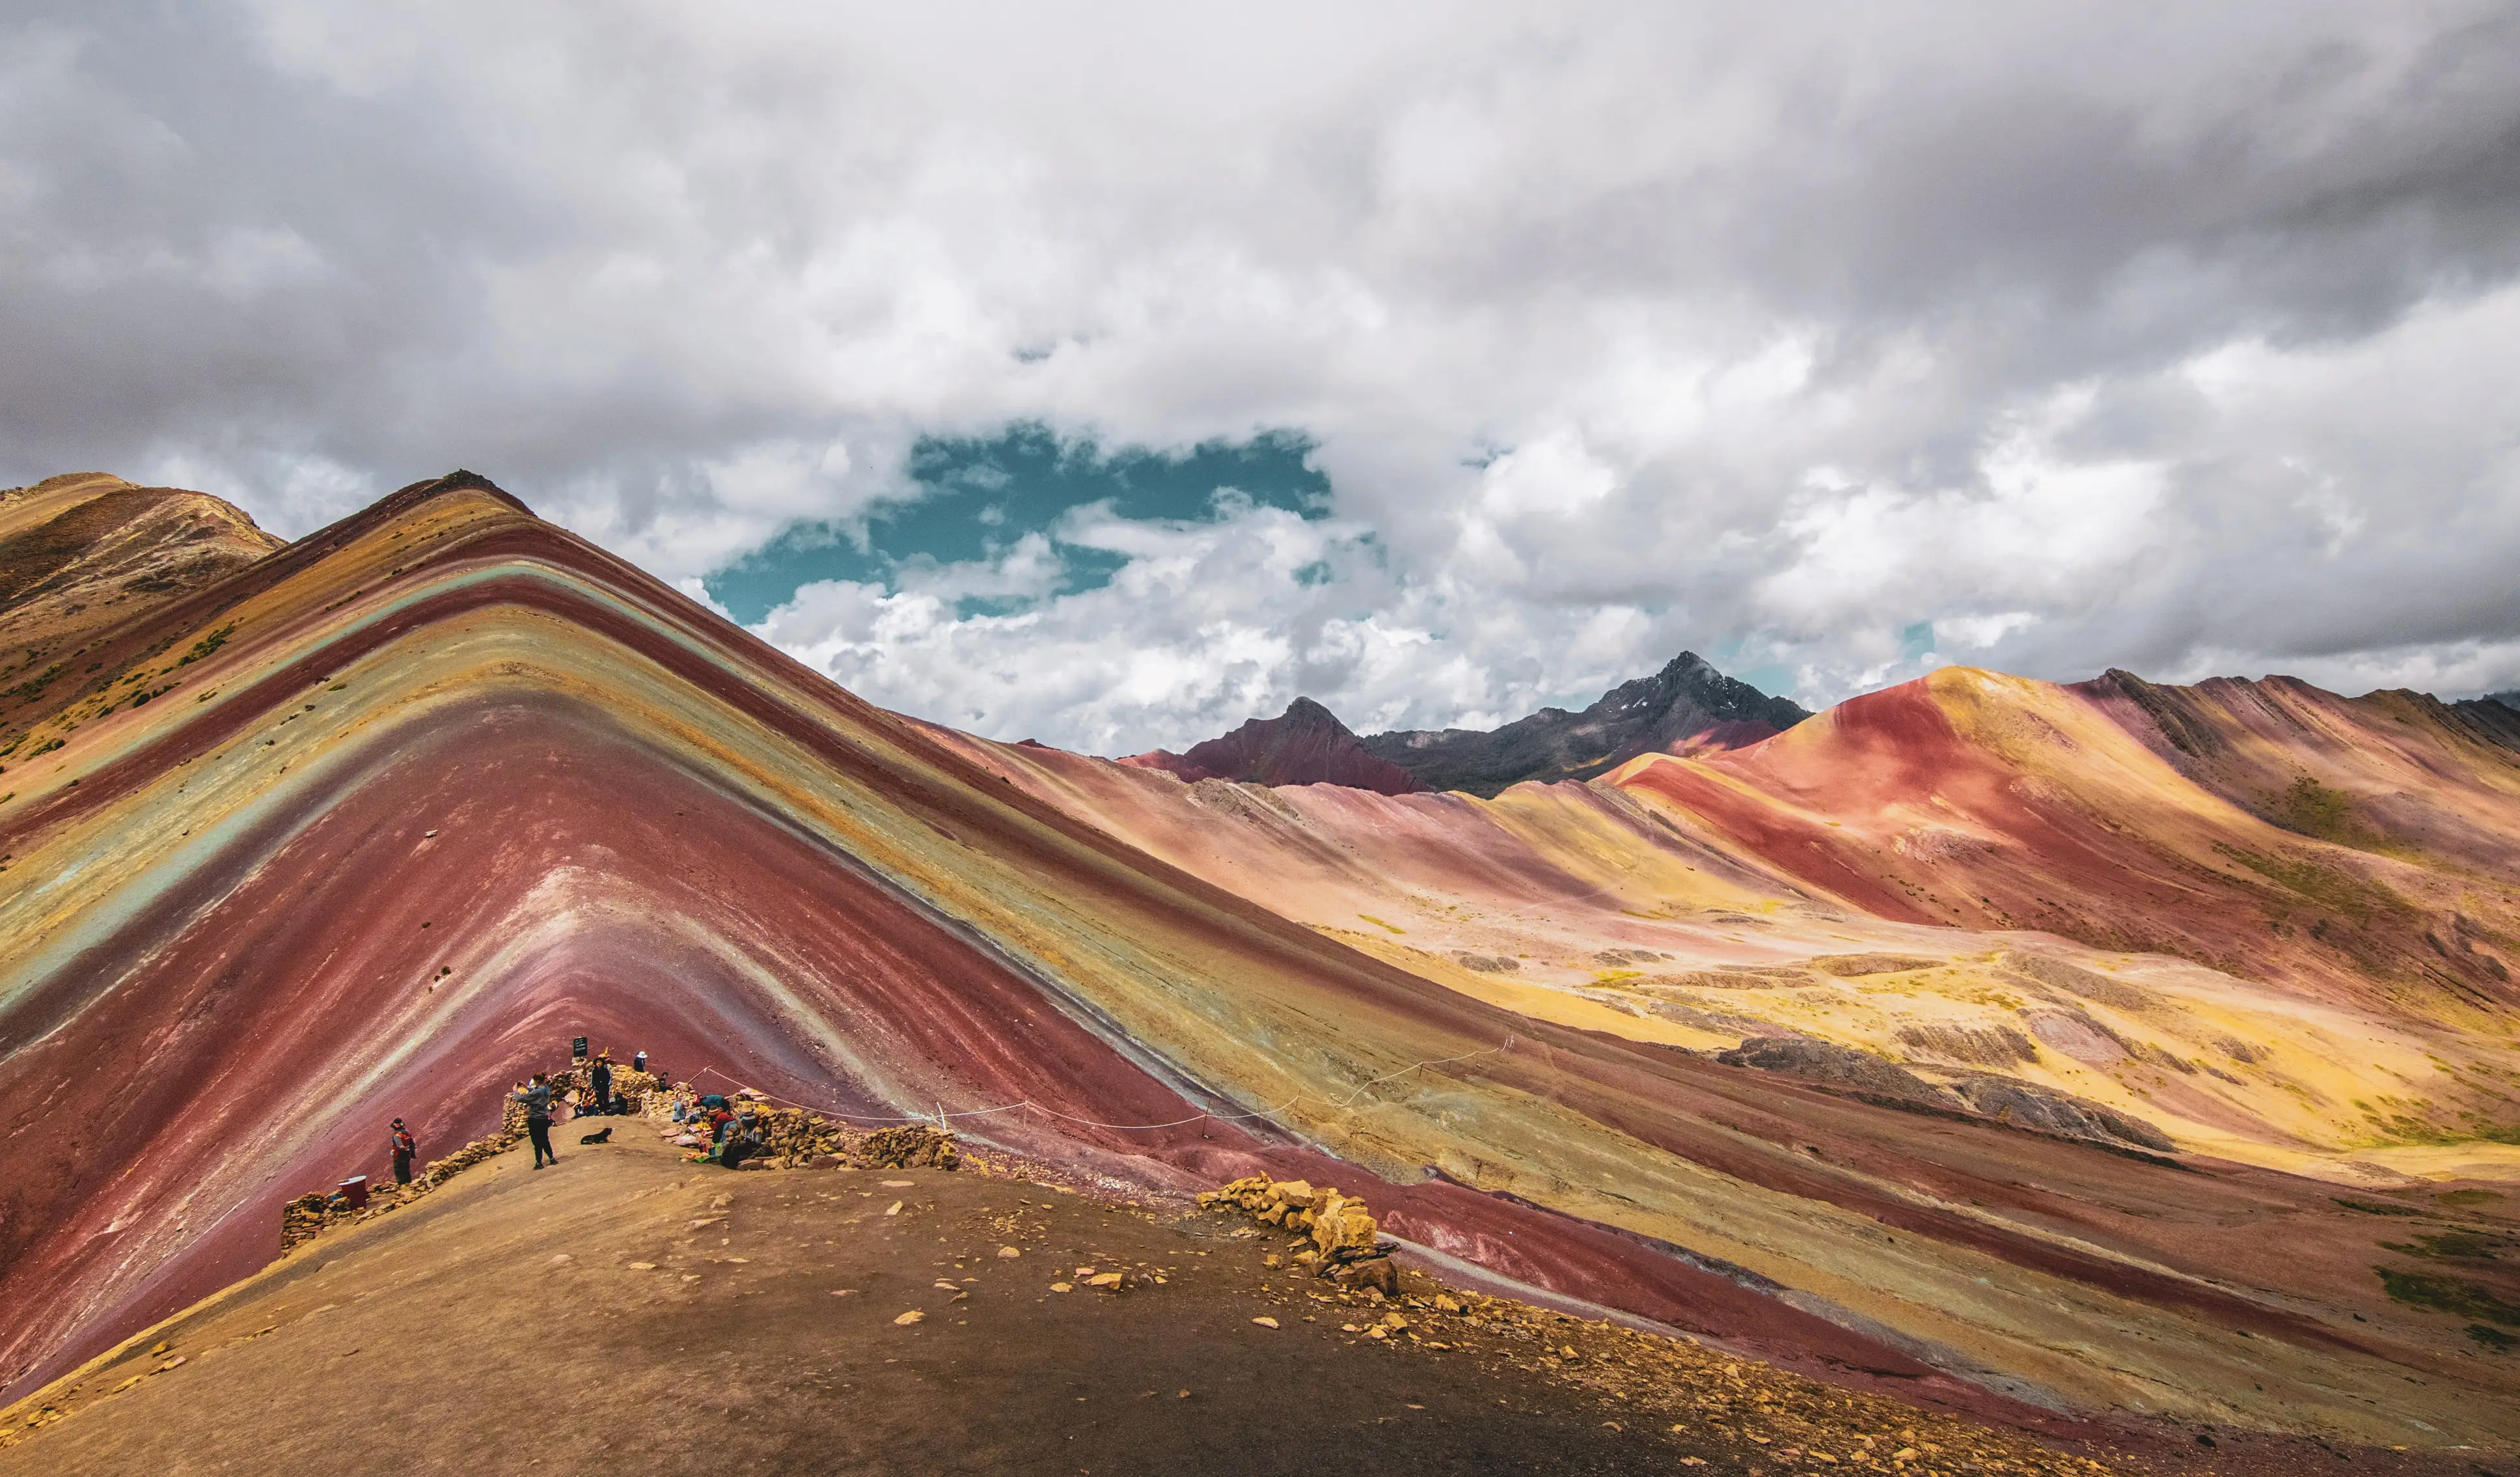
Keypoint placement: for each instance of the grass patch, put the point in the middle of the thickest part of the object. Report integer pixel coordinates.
(2451, 1246)
(2373, 1208)
(208, 644)
(2331, 888)
(36, 683)
(2456, 1296)
(2469, 1197)
(2315, 810)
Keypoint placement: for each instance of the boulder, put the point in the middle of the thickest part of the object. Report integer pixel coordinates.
(1378, 1273)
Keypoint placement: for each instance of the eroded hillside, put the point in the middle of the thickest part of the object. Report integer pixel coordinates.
(428, 793)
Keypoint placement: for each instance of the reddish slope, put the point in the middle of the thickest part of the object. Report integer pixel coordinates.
(265, 995)
(1992, 802)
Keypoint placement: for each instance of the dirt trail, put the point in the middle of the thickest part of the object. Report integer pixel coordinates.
(625, 1312)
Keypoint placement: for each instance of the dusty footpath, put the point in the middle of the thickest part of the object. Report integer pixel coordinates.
(625, 1312)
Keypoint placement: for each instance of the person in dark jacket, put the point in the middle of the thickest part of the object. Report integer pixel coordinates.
(536, 1095)
(599, 1077)
(403, 1146)
(744, 1141)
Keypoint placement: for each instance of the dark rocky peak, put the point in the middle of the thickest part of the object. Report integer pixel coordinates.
(2495, 716)
(1307, 744)
(1689, 707)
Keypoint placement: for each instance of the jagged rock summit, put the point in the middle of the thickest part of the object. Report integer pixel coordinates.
(1307, 744)
(1687, 707)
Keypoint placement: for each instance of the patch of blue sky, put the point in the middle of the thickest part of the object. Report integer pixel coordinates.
(1772, 677)
(975, 498)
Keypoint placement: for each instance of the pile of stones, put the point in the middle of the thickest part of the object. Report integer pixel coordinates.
(1345, 1248)
(913, 1146)
(794, 1137)
(626, 1081)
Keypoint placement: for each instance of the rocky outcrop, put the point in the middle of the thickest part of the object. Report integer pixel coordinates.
(2006, 1099)
(1305, 745)
(1839, 1066)
(2024, 1104)
(1687, 707)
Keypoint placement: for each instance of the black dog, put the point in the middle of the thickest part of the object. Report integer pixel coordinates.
(600, 1136)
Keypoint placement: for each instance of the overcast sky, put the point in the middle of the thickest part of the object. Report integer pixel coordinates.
(1833, 342)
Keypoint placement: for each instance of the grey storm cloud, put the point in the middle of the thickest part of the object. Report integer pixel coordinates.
(1835, 341)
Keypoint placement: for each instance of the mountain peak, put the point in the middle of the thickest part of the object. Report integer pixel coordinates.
(1685, 707)
(1307, 744)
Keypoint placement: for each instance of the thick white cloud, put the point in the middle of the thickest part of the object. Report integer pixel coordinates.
(2177, 339)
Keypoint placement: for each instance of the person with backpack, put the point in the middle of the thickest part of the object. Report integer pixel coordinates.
(536, 1095)
(404, 1146)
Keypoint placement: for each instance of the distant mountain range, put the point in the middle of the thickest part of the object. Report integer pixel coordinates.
(1687, 707)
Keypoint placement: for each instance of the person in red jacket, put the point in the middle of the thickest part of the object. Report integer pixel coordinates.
(404, 1148)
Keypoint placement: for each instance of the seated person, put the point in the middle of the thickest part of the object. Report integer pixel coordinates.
(739, 1147)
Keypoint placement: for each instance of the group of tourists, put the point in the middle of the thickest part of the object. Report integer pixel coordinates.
(541, 1097)
(734, 1136)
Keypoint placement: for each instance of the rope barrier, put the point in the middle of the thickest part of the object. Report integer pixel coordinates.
(941, 1115)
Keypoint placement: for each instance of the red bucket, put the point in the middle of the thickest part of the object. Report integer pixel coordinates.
(354, 1190)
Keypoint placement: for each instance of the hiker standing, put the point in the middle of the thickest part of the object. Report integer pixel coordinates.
(536, 1095)
(404, 1146)
(599, 1077)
